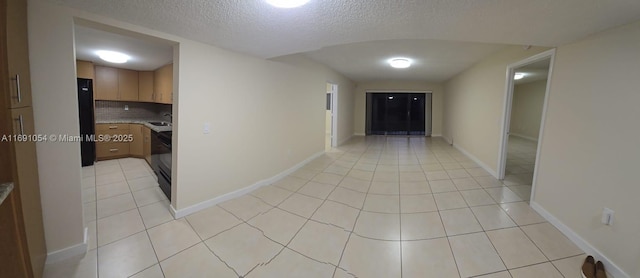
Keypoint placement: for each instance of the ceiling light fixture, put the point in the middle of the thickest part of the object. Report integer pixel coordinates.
(518, 75)
(400, 63)
(287, 4)
(113, 56)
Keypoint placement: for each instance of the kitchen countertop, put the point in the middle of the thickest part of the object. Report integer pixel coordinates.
(5, 189)
(142, 122)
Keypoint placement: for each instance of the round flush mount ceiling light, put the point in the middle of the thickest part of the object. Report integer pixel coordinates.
(400, 63)
(518, 75)
(113, 56)
(287, 4)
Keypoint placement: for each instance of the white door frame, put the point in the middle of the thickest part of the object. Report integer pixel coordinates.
(334, 114)
(506, 120)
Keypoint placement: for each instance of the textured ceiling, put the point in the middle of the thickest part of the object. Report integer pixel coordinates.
(256, 28)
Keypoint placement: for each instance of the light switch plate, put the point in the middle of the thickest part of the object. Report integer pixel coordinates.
(207, 128)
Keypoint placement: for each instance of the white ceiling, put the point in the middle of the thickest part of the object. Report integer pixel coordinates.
(145, 54)
(256, 28)
(433, 60)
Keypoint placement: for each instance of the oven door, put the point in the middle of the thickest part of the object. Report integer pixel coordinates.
(161, 160)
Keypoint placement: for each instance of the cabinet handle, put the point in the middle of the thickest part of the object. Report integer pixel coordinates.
(18, 92)
(113, 127)
(20, 121)
(113, 150)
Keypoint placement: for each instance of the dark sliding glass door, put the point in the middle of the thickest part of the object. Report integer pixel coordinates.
(396, 113)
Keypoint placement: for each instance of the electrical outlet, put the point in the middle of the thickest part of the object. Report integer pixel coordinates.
(126, 108)
(607, 216)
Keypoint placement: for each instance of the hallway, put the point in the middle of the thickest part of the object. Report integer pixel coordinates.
(375, 207)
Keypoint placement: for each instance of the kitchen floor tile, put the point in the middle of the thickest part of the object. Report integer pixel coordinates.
(385, 187)
(417, 203)
(212, 221)
(148, 196)
(316, 190)
(459, 221)
(243, 248)
(245, 207)
(291, 264)
(278, 225)
(449, 200)
(348, 197)
(320, 242)
(142, 183)
(421, 226)
(546, 270)
(412, 188)
(155, 214)
(551, 241)
(112, 189)
(522, 213)
(152, 272)
(383, 226)
(382, 203)
(371, 258)
(81, 266)
(126, 257)
(477, 197)
(475, 255)
(115, 205)
(492, 217)
(197, 261)
(301, 205)
(271, 194)
(515, 248)
(119, 226)
(337, 214)
(428, 258)
(172, 237)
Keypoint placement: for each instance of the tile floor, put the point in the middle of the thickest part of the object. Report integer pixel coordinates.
(521, 159)
(375, 207)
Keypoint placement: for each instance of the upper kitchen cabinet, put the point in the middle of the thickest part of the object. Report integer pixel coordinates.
(163, 84)
(128, 85)
(145, 86)
(106, 83)
(18, 54)
(84, 69)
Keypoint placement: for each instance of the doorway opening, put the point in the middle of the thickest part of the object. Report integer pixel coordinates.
(523, 123)
(398, 113)
(330, 139)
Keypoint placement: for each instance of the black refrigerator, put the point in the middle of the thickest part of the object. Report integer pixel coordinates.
(87, 123)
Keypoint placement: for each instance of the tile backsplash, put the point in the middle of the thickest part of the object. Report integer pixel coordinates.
(114, 110)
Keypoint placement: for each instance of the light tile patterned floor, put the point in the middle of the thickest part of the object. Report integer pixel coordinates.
(376, 207)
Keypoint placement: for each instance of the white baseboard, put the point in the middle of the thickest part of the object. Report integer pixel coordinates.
(69, 252)
(524, 137)
(231, 195)
(359, 134)
(476, 160)
(612, 268)
(436, 135)
(447, 139)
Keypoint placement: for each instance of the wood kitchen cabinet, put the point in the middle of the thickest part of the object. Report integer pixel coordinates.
(163, 84)
(127, 85)
(23, 249)
(113, 148)
(136, 147)
(106, 83)
(146, 145)
(145, 86)
(84, 69)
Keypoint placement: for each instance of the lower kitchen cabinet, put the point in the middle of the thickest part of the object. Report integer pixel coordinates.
(117, 146)
(146, 145)
(136, 147)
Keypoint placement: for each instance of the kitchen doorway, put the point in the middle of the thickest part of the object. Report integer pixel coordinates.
(398, 113)
(523, 123)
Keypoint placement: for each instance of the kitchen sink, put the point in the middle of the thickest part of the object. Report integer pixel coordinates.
(160, 123)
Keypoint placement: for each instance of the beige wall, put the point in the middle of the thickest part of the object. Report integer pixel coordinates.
(591, 143)
(55, 103)
(360, 108)
(254, 107)
(474, 104)
(345, 91)
(526, 110)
